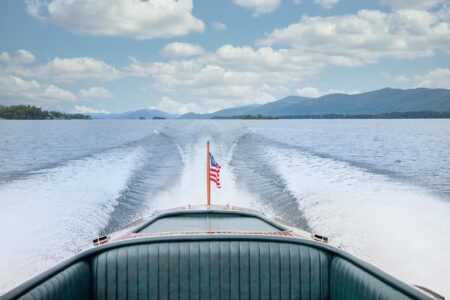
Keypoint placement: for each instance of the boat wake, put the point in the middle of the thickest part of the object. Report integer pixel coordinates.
(50, 213)
(387, 222)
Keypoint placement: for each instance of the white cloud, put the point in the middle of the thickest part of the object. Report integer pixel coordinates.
(171, 106)
(312, 92)
(259, 7)
(281, 64)
(309, 91)
(127, 18)
(219, 26)
(437, 78)
(365, 37)
(72, 70)
(245, 75)
(397, 78)
(22, 56)
(15, 90)
(96, 92)
(86, 110)
(416, 4)
(230, 76)
(54, 92)
(326, 3)
(5, 57)
(182, 49)
(68, 70)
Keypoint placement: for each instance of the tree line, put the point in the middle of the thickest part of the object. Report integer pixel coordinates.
(391, 115)
(247, 117)
(28, 112)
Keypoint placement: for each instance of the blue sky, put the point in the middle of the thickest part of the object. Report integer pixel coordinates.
(180, 56)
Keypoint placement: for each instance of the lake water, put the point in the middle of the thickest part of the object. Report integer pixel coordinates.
(379, 189)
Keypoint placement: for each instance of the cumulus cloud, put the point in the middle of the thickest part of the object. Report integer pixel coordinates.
(181, 49)
(86, 110)
(171, 106)
(126, 18)
(415, 4)
(397, 78)
(365, 37)
(96, 92)
(326, 3)
(67, 70)
(259, 7)
(437, 78)
(280, 64)
(70, 70)
(230, 76)
(15, 90)
(211, 87)
(276, 66)
(309, 91)
(313, 92)
(22, 56)
(219, 26)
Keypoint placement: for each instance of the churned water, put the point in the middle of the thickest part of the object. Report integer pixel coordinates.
(379, 189)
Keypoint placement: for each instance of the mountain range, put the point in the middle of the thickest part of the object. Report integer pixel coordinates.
(386, 100)
(136, 114)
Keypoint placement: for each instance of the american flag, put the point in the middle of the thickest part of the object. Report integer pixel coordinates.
(214, 171)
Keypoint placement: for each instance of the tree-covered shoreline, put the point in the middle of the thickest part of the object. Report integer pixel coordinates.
(31, 112)
(248, 117)
(391, 115)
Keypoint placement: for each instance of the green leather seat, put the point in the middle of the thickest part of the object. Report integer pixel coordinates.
(349, 282)
(212, 270)
(213, 267)
(72, 284)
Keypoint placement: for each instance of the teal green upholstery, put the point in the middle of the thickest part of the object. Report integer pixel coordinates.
(72, 284)
(349, 282)
(210, 267)
(212, 270)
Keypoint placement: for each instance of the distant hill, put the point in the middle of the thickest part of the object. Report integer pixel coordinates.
(191, 116)
(236, 111)
(137, 114)
(376, 102)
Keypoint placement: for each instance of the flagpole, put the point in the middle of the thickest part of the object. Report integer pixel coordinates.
(208, 181)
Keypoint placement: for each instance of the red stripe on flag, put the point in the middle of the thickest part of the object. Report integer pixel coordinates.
(214, 172)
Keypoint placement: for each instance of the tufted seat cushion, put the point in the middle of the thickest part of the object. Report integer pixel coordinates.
(212, 270)
(72, 284)
(350, 282)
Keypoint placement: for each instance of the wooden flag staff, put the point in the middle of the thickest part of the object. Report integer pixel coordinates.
(208, 181)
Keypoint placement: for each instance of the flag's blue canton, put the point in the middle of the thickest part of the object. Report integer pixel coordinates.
(213, 162)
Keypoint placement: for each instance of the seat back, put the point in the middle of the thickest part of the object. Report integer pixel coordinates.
(212, 270)
(350, 282)
(72, 283)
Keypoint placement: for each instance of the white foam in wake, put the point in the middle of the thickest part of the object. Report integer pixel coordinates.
(48, 216)
(191, 189)
(398, 227)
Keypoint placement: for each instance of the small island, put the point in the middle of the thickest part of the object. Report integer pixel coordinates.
(28, 112)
